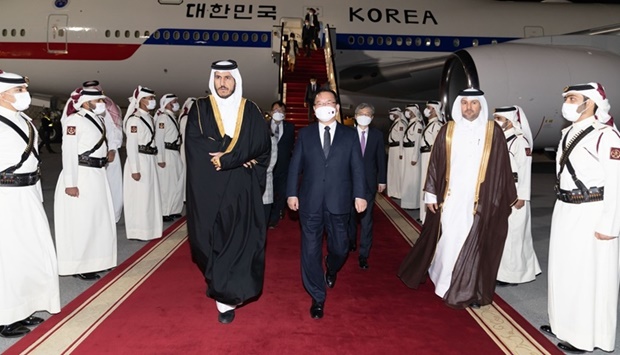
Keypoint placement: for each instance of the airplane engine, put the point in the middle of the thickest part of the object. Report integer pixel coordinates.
(531, 76)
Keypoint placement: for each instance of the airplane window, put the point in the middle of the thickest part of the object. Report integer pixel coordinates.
(244, 37)
(370, 40)
(176, 35)
(216, 36)
(474, 42)
(254, 37)
(147, 34)
(360, 40)
(4, 32)
(399, 41)
(166, 35)
(136, 34)
(408, 41)
(437, 42)
(235, 37)
(108, 33)
(351, 40)
(225, 37)
(186, 35)
(380, 41)
(388, 41)
(456, 42)
(264, 38)
(196, 36)
(418, 41)
(14, 33)
(427, 42)
(22, 33)
(156, 35)
(205, 36)
(127, 34)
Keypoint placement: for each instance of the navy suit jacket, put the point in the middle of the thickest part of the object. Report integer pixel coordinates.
(285, 149)
(333, 182)
(375, 161)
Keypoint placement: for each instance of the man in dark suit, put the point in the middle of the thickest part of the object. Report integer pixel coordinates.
(313, 19)
(375, 168)
(285, 131)
(311, 89)
(328, 156)
(307, 35)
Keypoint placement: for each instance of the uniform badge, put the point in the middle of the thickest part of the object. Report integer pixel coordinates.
(161, 125)
(401, 128)
(528, 152)
(71, 130)
(419, 130)
(134, 129)
(614, 154)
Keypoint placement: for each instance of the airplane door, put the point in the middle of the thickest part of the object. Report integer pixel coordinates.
(57, 34)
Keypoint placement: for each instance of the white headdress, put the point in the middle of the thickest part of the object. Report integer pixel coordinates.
(134, 101)
(595, 92)
(470, 95)
(519, 121)
(10, 80)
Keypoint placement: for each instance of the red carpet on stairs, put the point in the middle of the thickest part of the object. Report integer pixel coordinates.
(155, 303)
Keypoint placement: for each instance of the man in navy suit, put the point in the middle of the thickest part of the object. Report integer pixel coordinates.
(375, 168)
(285, 131)
(311, 89)
(328, 156)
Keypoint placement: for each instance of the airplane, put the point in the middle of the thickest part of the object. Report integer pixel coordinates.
(389, 53)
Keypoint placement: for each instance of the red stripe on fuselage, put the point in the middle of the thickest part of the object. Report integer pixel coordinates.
(74, 51)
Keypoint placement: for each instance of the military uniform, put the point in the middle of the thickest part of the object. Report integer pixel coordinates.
(171, 177)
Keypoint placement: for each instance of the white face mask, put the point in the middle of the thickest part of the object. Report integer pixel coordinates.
(427, 112)
(570, 113)
(151, 104)
(278, 116)
(407, 114)
(325, 113)
(363, 120)
(99, 108)
(175, 107)
(22, 101)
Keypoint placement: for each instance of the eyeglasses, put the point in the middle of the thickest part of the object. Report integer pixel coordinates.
(325, 103)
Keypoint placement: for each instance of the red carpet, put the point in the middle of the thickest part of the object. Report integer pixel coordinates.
(165, 311)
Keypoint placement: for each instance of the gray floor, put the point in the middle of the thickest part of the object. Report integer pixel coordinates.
(530, 300)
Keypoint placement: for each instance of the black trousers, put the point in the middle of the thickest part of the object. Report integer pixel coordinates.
(366, 222)
(313, 225)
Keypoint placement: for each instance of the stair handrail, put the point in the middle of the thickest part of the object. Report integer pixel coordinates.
(281, 65)
(330, 63)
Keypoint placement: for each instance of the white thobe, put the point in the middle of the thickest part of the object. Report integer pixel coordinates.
(143, 217)
(85, 228)
(410, 186)
(519, 263)
(396, 163)
(171, 184)
(268, 194)
(428, 138)
(458, 207)
(28, 266)
(584, 271)
(114, 169)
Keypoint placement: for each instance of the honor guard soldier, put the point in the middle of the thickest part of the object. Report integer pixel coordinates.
(435, 121)
(396, 163)
(411, 169)
(187, 105)
(519, 263)
(583, 246)
(28, 267)
(170, 167)
(83, 209)
(143, 217)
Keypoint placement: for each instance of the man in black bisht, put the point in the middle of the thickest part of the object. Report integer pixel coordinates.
(228, 149)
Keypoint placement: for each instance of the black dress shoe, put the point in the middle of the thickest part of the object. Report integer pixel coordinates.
(32, 320)
(363, 263)
(168, 219)
(14, 330)
(566, 347)
(316, 310)
(504, 284)
(88, 276)
(474, 305)
(547, 329)
(176, 215)
(330, 277)
(226, 317)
